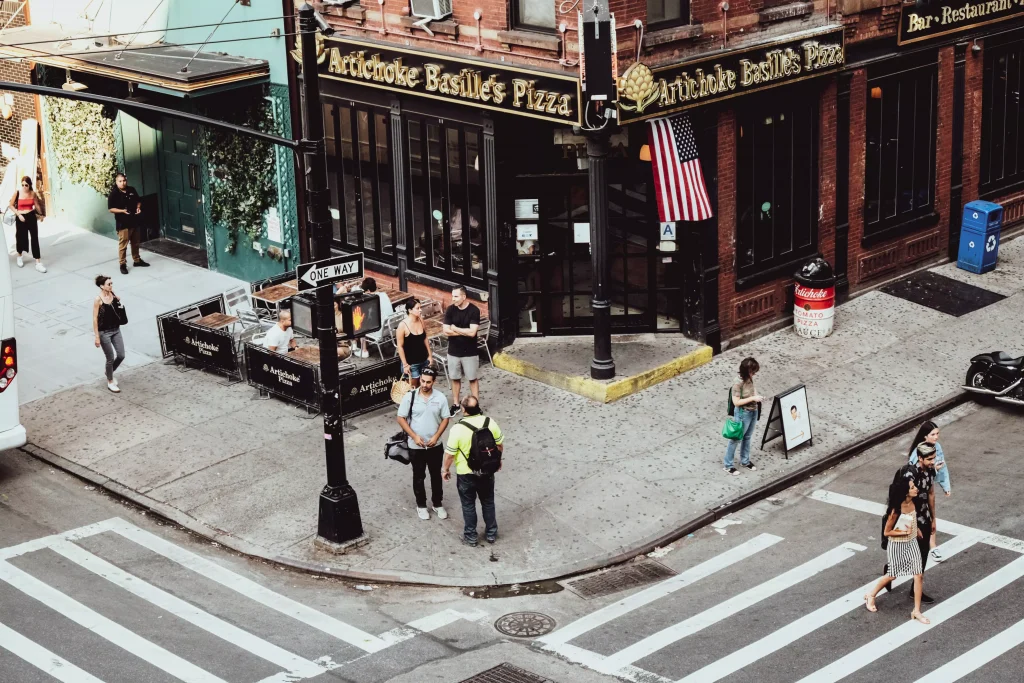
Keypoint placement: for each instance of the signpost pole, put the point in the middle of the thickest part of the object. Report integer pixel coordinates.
(339, 520)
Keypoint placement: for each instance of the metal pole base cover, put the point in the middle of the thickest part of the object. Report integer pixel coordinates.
(339, 515)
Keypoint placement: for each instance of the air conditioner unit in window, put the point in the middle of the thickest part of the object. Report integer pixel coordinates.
(431, 10)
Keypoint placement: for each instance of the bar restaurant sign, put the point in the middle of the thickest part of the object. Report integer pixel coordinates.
(924, 20)
(646, 93)
(504, 88)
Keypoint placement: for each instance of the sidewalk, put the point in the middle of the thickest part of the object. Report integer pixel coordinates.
(583, 482)
(53, 310)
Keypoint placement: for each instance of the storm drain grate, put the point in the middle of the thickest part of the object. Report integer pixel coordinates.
(506, 673)
(619, 579)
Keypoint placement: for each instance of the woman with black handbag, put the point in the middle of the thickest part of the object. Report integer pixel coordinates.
(108, 314)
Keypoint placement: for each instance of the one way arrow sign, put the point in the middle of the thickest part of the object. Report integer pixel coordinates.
(329, 270)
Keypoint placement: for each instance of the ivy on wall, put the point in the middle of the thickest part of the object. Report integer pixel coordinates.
(241, 171)
(82, 140)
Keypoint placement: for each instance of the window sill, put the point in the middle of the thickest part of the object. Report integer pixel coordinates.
(783, 270)
(900, 229)
(446, 27)
(532, 39)
(992, 193)
(354, 12)
(793, 10)
(445, 282)
(673, 34)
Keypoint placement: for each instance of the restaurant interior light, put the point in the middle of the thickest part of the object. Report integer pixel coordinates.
(645, 153)
(72, 85)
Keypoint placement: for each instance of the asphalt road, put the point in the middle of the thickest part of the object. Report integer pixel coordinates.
(92, 589)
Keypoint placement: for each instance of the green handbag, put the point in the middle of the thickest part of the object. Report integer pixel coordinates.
(732, 429)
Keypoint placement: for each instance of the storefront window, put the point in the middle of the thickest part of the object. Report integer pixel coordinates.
(359, 178)
(447, 194)
(664, 13)
(535, 14)
(777, 183)
(1002, 145)
(899, 174)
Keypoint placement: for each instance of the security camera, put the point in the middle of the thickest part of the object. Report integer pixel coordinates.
(322, 24)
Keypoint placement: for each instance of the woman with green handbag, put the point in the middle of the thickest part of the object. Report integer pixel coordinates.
(739, 428)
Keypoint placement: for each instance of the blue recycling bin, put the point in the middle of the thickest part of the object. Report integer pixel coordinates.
(979, 236)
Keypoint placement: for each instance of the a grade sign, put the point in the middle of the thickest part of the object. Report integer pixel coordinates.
(329, 270)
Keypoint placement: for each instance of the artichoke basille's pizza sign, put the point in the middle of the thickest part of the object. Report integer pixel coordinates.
(646, 93)
(499, 87)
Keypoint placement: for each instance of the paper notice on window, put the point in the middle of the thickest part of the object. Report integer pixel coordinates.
(527, 231)
(581, 233)
(274, 226)
(527, 209)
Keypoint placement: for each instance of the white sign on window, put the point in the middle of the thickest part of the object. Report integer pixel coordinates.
(274, 225)
(527, 231)
(581, 233)
(527, 209)
(668, 232)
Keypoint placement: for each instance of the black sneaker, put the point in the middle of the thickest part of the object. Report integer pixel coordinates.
(492, 539)
(466, 541)
(925, 598)
(749, 466)
(124, 269)
(731, 470)
(456, 409)
(140, 264)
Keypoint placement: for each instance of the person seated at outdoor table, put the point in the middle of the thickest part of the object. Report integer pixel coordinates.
(343, 345)
(413, 345)
(280, 337)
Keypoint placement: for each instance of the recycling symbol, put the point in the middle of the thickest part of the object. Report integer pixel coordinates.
(990, 245)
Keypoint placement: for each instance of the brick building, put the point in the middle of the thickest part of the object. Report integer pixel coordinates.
(15, 107)
(853, 130)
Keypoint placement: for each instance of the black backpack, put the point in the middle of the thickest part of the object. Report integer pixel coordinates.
(484, 456)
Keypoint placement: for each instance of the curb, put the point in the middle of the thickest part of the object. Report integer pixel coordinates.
(412, 579)
(604, 392)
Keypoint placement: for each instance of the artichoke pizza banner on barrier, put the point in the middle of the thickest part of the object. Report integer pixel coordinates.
(646, 93)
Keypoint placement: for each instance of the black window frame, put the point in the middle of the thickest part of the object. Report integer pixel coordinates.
(520, 25)
(684, 19)
(381, 249)
(997, 110)
(462, 200)
(802, 107)
(881, 120)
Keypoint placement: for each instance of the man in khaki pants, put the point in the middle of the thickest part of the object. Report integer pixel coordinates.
(123, 201)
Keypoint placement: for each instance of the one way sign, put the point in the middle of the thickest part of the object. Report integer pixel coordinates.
(329, 270)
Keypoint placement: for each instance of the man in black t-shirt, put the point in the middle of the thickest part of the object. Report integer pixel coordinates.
(461, 321)
(123, 201)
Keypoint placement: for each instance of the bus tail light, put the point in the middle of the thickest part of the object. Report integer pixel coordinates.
(8, 362)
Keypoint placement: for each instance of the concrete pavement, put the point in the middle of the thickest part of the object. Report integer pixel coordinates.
(583, 482)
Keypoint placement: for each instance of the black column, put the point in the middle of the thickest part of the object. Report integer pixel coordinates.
(602, 366)
(490, 170)
(956, 173)
(339, 509)
(841, 265)
(400, 218)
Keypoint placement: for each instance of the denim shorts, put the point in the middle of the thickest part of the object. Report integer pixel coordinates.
(416, 369)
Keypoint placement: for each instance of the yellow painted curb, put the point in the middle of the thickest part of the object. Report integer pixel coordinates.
(600, 391)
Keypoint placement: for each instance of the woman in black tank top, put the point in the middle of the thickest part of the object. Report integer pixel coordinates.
(413, 346)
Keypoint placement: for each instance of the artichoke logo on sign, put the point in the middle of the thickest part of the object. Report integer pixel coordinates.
(321, 49)
(637, 85)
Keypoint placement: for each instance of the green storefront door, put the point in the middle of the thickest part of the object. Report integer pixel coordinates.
(182, 197)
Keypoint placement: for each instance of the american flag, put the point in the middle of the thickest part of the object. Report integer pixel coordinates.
(678, 180)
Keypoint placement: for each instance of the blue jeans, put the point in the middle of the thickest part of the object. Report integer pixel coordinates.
(470, 487)
(749, 419)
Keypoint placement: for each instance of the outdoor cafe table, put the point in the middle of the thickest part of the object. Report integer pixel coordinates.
(216, 321)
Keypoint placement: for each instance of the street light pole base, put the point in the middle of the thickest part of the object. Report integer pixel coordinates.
(339, 515)
(602, 369)
(340, 548)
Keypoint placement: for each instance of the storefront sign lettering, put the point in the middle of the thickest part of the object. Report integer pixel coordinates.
(282, 375)
(646, 93)
(530, 93)
(924, 20)
(370, 387)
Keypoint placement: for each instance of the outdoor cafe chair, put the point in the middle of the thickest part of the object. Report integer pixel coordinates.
(483, 330)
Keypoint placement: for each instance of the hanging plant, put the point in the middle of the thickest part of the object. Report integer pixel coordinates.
(241, 171)
(82, 140)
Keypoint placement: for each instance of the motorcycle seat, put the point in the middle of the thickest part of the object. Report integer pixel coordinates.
(1006, 359)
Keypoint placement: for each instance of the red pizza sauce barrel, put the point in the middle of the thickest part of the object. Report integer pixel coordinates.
(815, 299)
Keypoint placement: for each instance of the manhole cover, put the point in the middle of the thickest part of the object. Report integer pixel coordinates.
(525, 624)
(506, 673)
(619, 579)
(942, 293)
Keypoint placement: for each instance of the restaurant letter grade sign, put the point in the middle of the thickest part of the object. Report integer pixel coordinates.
(539, 94)
(646, 93)
(924, 20)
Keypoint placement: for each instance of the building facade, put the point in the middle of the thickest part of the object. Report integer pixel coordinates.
(854, 131)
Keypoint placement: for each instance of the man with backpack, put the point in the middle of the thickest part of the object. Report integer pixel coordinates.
(475, 447)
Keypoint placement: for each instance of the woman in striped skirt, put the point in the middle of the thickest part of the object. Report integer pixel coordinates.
(902, 552)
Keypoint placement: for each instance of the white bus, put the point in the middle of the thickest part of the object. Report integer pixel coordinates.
(12, 434)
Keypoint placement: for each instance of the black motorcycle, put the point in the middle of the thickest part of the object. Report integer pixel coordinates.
(997, 375)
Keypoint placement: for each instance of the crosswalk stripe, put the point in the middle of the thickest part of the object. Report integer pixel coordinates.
(46, 541)
(724, 610)
(807, 624)
(294, 664)
(429, 623)
(41, 658)
(250, 589)
(977, 657)
(105, 628)
(901, 635)
(659, 590)
(878, 509)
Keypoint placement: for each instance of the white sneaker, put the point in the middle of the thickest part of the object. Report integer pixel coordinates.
(113, 387)
(114, 381)
(21, 262)
(441, 513)
(423, 513)
(40, 267)
(937, 555)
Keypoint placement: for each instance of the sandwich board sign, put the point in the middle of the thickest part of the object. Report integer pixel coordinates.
(329, 270)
